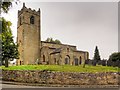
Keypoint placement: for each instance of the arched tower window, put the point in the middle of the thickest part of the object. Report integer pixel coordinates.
(32, 20)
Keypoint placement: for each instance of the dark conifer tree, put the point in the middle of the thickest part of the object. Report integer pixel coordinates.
(96, 55)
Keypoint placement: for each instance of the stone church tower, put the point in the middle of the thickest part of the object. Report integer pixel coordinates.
(28, 36)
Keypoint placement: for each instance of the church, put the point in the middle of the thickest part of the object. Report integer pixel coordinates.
(34, 51)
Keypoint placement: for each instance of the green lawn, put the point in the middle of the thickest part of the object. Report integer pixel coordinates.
(64, 68)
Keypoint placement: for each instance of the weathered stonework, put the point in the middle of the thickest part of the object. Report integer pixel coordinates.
(62, 78)
(28, 36)
(34, 51)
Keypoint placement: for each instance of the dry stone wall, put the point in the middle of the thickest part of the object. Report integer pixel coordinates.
(61, 78)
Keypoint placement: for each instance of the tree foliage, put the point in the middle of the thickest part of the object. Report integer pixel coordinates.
(5, 6)
(115, 56)
(96, 55)
(57, 41)
(9, 48)
(53, 41)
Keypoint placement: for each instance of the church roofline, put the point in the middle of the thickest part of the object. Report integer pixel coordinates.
(81, 51)
(58, 44)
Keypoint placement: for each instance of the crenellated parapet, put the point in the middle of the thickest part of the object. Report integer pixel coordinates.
(29, 10)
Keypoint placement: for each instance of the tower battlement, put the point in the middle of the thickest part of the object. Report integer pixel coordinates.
(29, 10)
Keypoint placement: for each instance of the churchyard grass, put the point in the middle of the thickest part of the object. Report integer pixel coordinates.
(64, 68)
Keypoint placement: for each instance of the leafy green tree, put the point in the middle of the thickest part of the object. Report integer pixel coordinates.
(57, 41)
(96, 55)
(9, 48)
(53, 41)
(115, 56)
(47, 40)
(5, 6)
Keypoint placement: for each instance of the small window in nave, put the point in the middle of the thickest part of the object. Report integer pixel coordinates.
(32, 20)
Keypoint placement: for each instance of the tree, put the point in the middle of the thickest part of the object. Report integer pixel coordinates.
(115, 56)
(57, 41)
(114, 59)
(5, 6)
(53, 41)
(47, 40)
(8, 49)
(96, 55)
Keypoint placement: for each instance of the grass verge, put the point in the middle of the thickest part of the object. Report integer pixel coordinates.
(64, 68)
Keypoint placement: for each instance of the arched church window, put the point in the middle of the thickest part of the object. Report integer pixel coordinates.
(80, 60)
(55, 60)
(43, 58)
(76, 61)
(32, 20)
(67, 59)
(67, 49)
(20, 63)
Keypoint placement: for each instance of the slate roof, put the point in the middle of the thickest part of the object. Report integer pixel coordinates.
(58, 50)
(80, 51)
(58, 44)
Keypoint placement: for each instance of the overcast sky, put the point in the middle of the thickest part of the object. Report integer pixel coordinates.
(84, 24)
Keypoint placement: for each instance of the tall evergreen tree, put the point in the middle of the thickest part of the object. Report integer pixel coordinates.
(96, 55)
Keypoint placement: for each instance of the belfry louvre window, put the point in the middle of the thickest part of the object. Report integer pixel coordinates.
(32, 20)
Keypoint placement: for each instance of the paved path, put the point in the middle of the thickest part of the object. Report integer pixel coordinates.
(17, 86)
(13, 85)
(21, 87)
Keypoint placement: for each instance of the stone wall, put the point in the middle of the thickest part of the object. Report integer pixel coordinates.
(61, 78)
